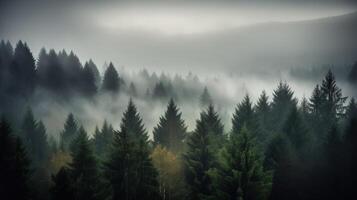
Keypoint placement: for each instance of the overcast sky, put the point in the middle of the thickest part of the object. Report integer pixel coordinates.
(153, 34)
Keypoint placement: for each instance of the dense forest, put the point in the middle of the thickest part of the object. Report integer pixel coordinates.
(277, 148)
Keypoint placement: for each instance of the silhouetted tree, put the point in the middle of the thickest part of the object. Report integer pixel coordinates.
(205, 98)
(244, 114)
(83, 169)
(14, 165)
(159, 91)
(171, 130)
(111, 80)
(63, 185)
(88, 81)
(23, 71)
(132, 90)
(352, 76)
(129, 169)
(283, 102)
(69, 132)
(214, 126)
(199, 159)
(263, 109)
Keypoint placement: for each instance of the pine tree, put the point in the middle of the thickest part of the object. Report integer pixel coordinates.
(283, 102)
(262, 110)
(63, 186)
(215, 128)
(241, 174)
(129, 169)
(244, 114)
(95, 72)
(23, 71)
(43, 146)
(6, 56)
(111, 80)
(351, 109)
(14, 167)
(334, 100)
(88, 81)
(160, 91)
(352, 76)
(132, 90)
(69, 132)
(103, 139)
(83, 169)
(171, 130)
(205, 98)
(199, 159)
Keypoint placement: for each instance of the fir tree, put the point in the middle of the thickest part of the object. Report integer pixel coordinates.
(262, 110)
(199, 159)
(244, 114)
(69, 132)
(95, 72)
(159, 91)
(214, 126)
(205, 98)
(23, 70)
(111, 80)
(132, 90)
(171, 130)
(283, 102)
(83, 169)
(129, 169)
(63, 186)
(102, 139)
(241, 174)
(14, 167)
(88, 81)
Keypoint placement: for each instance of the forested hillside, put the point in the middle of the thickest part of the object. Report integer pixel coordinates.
(277, 147)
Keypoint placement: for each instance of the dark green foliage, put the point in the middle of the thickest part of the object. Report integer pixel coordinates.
(244, 115)
(63, 186)
(214, 127)
(171, 130)
(88, 81)
(23, 70)
(111, 80)
(83, 169)
(333, 98)
(95, 72)
(283, 102)
(103, 139)
(34, 136)
(6, 56)
(69, 132)
(262, 112)
(129, 169)
(14, 165)
(205, 98)
(199, 159)
(241, 174)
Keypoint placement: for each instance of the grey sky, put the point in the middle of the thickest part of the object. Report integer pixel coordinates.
(161, 35)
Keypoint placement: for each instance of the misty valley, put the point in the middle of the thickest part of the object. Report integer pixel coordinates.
(70, 131)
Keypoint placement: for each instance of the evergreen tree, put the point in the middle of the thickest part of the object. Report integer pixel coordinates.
(129, 169)
(14, 167)
(283, 102)
(214, 126)
(69, 132)
(6, 56)
(241, 174)
(244, 114)
(103, 139)
(171, 130)
(83, 169)
(34, 136)
(63, 186)
(95, 72)
(263, 109)
(199, 159)
(111, 80)
(88, 81)
(132, 90)
(23, 71)
(333, 98)
(351, 109)
(205, 98)
(159, 91)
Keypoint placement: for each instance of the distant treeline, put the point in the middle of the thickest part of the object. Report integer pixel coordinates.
(277, 149)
